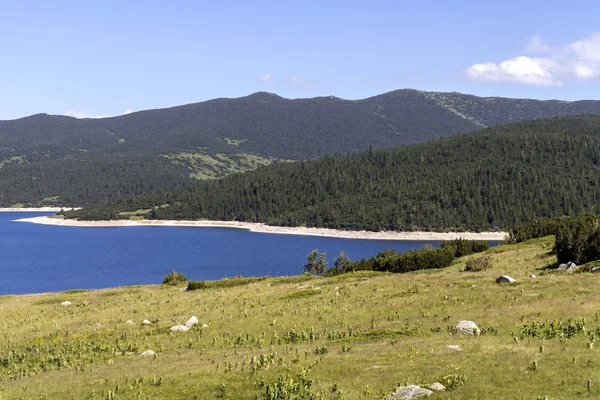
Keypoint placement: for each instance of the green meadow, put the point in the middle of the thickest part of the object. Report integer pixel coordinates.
(353, 336)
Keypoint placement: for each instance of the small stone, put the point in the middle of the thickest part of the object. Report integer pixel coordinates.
(532, 276)
(409, 392)
(437, 387)
(505, 279)
(595, 269)
(191, 322)
(562, 267)
(571, 266)
(130, 322)
(147, 353)
(467, 328)
(179, 328)
(65, 303)
(146, 322)
(454, 347)
(204, 326)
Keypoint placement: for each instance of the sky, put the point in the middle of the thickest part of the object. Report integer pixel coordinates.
(106, 58)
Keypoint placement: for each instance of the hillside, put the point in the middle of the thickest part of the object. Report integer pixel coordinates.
(354, 336)
(59, 160)
(490, 179)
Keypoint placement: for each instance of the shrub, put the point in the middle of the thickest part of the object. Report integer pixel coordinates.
(537, 228)
(174, 278)
(478, 264)
(578, 239)
(413, 260)
(464, 247)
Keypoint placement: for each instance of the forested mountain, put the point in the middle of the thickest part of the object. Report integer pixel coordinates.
(491, 179)
(58, 159)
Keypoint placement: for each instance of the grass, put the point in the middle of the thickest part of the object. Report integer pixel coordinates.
(353, 336)
(10, 160)
(214, 166)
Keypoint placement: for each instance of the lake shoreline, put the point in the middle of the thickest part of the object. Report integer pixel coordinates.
(36, 209)
(281, 230)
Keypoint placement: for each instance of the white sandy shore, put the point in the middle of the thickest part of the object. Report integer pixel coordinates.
(262, 228)
(35, 209)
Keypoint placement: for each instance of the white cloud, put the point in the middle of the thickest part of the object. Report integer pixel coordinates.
(521, 69)
(267, 78)
(297, 81)
(83, 114)
(578, 60)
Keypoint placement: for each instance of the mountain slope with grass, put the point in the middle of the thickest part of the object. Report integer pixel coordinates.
(352, 336)
(488, 180)
(74, 161)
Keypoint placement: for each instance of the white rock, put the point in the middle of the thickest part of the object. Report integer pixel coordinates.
(409, 392)
(454, 347)
(505, 279)
(179, 328)
(571, 266)
(532, 276)
(146, 322)
(130, 322)
(204, 326)
(562, 267)
(467, 328)
(191, 322)
(595, 269)
(65, 303)
(147, 353)
(437, 387)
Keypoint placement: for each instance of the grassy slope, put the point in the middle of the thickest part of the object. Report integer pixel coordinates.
(392, 317)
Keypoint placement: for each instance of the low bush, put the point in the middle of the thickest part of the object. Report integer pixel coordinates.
(478, 264)
(174, 278)
(222, 283)
(464, 247)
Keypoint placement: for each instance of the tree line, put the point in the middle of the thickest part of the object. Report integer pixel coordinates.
(493, 179)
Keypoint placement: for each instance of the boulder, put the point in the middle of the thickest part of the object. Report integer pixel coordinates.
(191, 322)
(562, 267)
(409, 392)
(147, 353)
(571, 266)
(146, 322)
(505, 279)
(467, 328)
(595, 269)
(65, 303)
(437, 387)
(179, 328)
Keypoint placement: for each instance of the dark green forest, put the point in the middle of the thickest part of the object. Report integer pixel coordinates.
(59, 160)
(492, 179)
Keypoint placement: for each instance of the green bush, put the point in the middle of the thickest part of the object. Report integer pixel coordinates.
(174, 278)
(222, 283)
(537, 228)
(578, 239)
(413, 260)
(464, 247)
(478, 264)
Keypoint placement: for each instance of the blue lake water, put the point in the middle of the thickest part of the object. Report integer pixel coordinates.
(43, 258)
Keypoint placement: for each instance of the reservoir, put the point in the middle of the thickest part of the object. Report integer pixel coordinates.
(44, 258)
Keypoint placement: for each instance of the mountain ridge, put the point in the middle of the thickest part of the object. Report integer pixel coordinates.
(64, 158)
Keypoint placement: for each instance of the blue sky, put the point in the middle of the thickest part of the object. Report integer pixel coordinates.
(107, 58)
